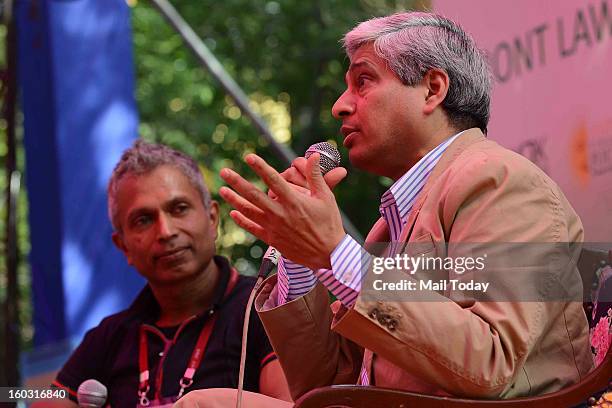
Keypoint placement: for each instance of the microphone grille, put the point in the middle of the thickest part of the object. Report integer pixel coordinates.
(91, 393)
(330, 156)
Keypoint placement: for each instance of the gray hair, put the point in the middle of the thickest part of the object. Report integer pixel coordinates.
(414, 43)
(144, 157)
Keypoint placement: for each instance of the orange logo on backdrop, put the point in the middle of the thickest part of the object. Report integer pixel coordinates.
(580, 155)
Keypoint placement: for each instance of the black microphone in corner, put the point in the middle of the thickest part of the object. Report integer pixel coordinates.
(329, 160)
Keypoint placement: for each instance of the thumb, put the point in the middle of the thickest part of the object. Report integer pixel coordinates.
(316, 183)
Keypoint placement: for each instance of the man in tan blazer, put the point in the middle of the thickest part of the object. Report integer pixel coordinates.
(415, 110)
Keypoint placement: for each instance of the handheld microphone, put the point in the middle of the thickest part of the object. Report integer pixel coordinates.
(91, 394)
(329, 160)
(330, 156)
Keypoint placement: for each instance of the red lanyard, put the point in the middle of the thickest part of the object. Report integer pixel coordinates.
(194, 360)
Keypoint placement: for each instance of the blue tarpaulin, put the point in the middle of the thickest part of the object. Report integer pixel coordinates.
(76, 79)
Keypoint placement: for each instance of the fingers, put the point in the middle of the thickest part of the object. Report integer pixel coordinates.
(249, 225)
(239, 203)
(273, 180)
(299, 163)
(272, 195)
(293, 176)
(299, 189)
(245, 189)
(313, 175)
(335, 176)
(298, 170)
(303, 177)
(246, 214)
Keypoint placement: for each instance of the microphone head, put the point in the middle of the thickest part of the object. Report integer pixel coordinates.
(330, 156)
(91, 393)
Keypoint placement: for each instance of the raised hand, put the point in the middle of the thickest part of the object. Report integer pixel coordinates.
(305, 225)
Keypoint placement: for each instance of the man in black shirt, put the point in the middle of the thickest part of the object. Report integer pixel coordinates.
(184, 330)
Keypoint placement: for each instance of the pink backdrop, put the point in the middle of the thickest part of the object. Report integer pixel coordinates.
(552, 63)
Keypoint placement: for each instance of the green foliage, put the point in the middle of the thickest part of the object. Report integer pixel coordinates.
(286, 56)
(24, 306)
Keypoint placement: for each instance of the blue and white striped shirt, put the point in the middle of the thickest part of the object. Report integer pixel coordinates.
(345, 276)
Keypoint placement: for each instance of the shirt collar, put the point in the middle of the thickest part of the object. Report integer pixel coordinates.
(147, 308)
(405, 190)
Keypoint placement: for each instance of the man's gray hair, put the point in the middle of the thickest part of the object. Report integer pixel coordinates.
(414, 43)
(144, 157)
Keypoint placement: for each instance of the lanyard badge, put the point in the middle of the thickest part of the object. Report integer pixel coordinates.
(194, 361)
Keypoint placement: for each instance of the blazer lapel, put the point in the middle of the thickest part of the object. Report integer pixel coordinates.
(458, 146)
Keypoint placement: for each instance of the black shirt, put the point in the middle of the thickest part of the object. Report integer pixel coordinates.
(109, 352)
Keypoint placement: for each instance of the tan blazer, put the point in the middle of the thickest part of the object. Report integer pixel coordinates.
(479, 192)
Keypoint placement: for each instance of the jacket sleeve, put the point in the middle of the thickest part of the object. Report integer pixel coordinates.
(310, 353)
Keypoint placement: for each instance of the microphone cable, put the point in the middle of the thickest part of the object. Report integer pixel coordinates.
(329, 160)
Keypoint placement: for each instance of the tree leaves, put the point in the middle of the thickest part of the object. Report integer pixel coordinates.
(286, 56)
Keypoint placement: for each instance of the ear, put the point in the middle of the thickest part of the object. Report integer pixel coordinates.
(213, 214)
(437, 82)
(118, 241)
